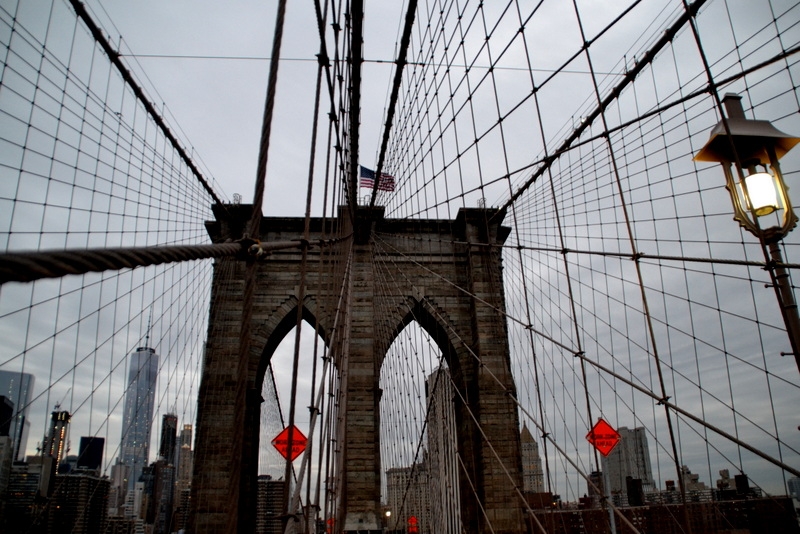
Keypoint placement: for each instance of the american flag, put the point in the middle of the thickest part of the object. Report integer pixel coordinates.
(386, 182)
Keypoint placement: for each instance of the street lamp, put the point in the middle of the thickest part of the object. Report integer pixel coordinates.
(757, 189)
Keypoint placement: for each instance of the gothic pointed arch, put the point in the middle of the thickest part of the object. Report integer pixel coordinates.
(431, 318)
(269, 334)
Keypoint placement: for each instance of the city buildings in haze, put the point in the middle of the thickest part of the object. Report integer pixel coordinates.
(630, 458)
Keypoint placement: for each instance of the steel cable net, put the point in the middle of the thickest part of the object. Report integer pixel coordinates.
(86, 165)
(628, 288)
(623, 261)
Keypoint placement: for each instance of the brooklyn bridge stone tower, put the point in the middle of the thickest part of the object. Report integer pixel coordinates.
(444, 274)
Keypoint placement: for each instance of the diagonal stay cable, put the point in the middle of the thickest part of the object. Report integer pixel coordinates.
(511, 396)
(398, 78)
(114, 57)
(640, 388)
(467, 292)
(685, 413)
(631, 75)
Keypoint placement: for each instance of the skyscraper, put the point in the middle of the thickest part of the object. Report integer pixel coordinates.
(408, 496)
(445, 510)
(55, 443)
(138, 415)
(163, 495)
(269, 505)
(185, 457)
(630, 458)
(532, 473)
(169, 430)
(90, 456)
(120, 474)
(18, 387)
(184, 478)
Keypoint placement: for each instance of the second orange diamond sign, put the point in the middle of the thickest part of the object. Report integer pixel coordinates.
(603, 437)
(281, 442)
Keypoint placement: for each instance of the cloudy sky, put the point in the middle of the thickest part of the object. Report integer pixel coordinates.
(218, 100)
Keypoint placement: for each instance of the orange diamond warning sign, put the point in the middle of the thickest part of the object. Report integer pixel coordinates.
(603, 437)
(281, 442)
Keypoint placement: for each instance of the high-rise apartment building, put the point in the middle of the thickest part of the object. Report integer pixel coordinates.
(138, 414)
(269, 505)
(119, 489)
(630, 458)
(532, 473)
(445, 511)
(30, 486)
(18, 388)
(6, 415)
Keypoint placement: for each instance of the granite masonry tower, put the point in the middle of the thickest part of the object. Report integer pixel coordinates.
(468, 327)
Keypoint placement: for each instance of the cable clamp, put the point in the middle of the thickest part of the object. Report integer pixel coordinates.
(256, 251)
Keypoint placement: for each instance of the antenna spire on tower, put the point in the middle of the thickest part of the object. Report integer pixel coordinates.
(147, 335)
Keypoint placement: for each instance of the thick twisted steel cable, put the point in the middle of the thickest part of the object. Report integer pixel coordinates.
(30, 266)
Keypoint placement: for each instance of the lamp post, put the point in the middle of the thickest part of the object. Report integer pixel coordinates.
(749, 151)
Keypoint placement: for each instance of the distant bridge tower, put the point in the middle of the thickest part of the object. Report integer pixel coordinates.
(468, 326)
